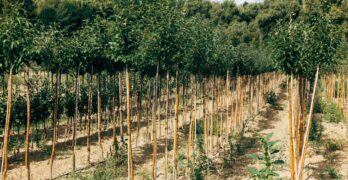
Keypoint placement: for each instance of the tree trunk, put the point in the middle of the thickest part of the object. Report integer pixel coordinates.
(55, 113)
(175, 168)
(205, 118)
(120, 87)
(89, 116)
(139, 109)
(166, 135)
(227, 92)
(130, 155)
(100, 120)
(212, 114)
(7, 124)
(76, 115)
(26, 156)
(147, 109)
(114, 112)
(154, 120)
(291, 143)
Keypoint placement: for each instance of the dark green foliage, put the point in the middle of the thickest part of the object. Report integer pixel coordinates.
(41, 103)
(319, 105)
(69, 104)
(333, 145)
(332, 113)
(302, 44)
(330, 172)
(201, 162)
(316, 130)
(272, 99)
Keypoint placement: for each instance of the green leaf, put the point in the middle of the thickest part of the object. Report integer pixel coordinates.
(268, 136)
(275, 151)
(253, 170)
(279, 161)
(271, 143)
(253, 156)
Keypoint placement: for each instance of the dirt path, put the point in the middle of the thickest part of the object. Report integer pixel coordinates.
(39, 164)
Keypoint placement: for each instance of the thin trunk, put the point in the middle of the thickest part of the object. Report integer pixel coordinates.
(147, 109)
(130, 155)
(205, 119)
(227, 92)
(212, 114)
(139, 110)
(89, 116)
(154, 120)
(76, 116)
(114, 112)
(291, 143)
(166, 135)
(120, 88)
(55, 112)
(100, 119)
(195, 116)
(27, 165)
(175, 168)
(189, 137)
(7, 124)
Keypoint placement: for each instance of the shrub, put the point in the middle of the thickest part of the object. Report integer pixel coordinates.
(333, 145)
(318, 105)
(201, 162)
(316, 130)
(330, 172)
(332, 113)
(271, 98)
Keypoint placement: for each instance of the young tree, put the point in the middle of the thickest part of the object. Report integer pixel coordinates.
(301, 47)
(15, 33)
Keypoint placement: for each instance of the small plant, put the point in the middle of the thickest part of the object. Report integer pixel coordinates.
(332, 113)
(283, 85)
(330, 172)
(267, 158)
(316, 130)
(333, 145)
(272, 99)
(319, 105)
(201, 162)
(145, 175)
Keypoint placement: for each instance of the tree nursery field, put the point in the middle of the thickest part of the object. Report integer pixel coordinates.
(173, 89)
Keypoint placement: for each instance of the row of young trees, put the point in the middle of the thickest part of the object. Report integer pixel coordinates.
(100, 43)
(150, 38)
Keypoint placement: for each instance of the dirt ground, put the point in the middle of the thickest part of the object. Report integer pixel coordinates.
(266, 121)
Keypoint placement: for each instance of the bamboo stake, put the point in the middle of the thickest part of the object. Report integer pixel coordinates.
(100, 119)
(26, 156)
(175, 168)
(130, 154)
(292, 154)
(55, 109)
(89, 116)
(120, 89)
(76, 115)
(166, 135)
